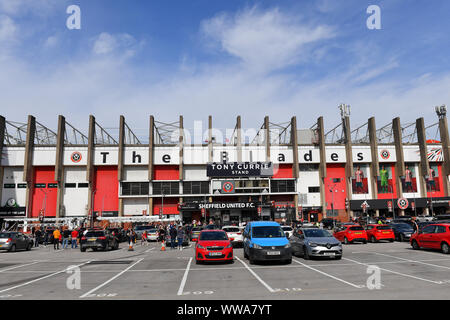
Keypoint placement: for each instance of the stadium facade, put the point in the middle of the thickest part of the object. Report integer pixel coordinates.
(283, 173)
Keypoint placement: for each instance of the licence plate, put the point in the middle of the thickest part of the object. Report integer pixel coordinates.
(92, 239)
(214, 254)
(386, 232)
(273, 253)
(358, 232)
(329, 254)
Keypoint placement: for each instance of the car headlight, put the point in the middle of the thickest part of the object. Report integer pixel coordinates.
(287, 246)
(312, 244)
(200, 247)
(256, 246)
(229, 246)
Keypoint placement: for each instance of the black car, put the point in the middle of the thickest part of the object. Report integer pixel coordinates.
(186, 238)
(99, 239)
(402, 231)
(329, 223)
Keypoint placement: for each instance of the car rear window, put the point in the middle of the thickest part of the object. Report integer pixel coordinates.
(95, 234)
(268, 232)
(214, 235)
(356, 228)
(231, 229)
(5, 235)
(196, 229)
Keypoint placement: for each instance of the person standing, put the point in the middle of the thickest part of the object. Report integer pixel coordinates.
(359, 176)
(65, 237)
(173, 236)
(74, 235)
(37, 237)
(144, 238)
(56, 238)
(180, 238)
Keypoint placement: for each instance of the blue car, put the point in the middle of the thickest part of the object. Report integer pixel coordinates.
(266, 241)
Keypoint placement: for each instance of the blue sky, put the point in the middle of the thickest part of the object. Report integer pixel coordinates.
(224, 58)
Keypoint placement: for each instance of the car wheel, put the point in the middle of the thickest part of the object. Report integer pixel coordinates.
(245, 255)
(346, 240)
(373, 239)
(288, 261)
(338, 257)
(13, 248)
(82, 249)
(251, 260)
(415, 245)
(401, 238)
(445, 248)
(306, 254)
(29, 246)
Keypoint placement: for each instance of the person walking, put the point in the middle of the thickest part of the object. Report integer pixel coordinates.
(46, 235)
(173, 236)
(65, 237)
(74, 235)
(162, 237)
(56, 238)
(180, 235)
(144, 238)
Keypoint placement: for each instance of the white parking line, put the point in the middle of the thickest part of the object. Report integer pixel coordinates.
(115, 277)
(415, 261)
(183, 281)
(395, 272)
(23, 265)
(146, 251)
(329, 275)
(256, 276)
(42, 278)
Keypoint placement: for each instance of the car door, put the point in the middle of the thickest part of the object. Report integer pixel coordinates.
(339, 234)
(246, 239)
(20, 242)
(294, 241)
(437, 236)
(426, 237)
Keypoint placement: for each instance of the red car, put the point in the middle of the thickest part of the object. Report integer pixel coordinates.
(377, 232)
(351, 233)
(433, 236)
(213, 245)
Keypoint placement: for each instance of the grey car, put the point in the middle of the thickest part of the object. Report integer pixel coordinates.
(314, 242)
(13, 241)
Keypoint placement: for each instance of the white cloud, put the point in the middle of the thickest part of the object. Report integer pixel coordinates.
(38, 7)
(8, 29)
(265, 40)
(122, 43)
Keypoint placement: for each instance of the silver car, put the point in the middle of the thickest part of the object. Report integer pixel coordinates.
(13, 241)
(314, 242)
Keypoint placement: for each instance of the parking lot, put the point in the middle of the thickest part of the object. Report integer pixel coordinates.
(148, 273)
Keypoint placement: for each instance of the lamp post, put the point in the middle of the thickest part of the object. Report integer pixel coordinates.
(392, 198)
(431, 194)
(91, 220)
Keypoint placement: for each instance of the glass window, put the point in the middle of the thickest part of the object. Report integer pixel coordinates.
(428, 229)
(22, 186)
(83, 185)
(440, 229)
(267, 232)
(135, 188)
(9, 186)
(384, 182)
(166, 188)
(196, 187)
(314, 189)
(359, 180)
(409, 181)
(213, 235)
(70, 185)
(282, 186)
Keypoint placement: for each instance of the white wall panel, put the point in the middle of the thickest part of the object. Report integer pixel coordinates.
(135, 174)
(309, 179)
(195, 173)
(134, 206)
(280, 152)
(308, 154)
(362, 154)
(75, 200)
(195, 155)
(335, 154)
(13, 156)
(13, 175)
(135, 155)
(71, 156)
(166, 155)
(389, 151)
(106, 156)
(44, 156)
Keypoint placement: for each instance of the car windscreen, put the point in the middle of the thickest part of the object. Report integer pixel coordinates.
(401, 226)
(213, 235)
(5, 235)
(95, 234)
(231, 229)
(286, 228)
(384, 228)
(316, 233)
(268, 232)
(356, 228)
(196, 229)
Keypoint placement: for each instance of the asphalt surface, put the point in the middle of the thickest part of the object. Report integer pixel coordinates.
(148, 273)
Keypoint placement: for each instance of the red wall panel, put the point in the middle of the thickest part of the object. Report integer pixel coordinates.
(335, 171)
(106, 187)
(166, 173)
(170, 206)
(43, 197)
(283, 171)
